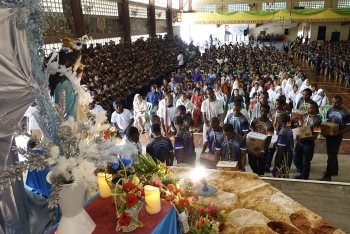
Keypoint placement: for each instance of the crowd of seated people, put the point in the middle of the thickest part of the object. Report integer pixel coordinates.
(261, 38)
(330, 57)
(224, 93)
(118, 71)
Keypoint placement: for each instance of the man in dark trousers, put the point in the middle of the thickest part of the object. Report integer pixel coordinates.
(340, 116)
(304, 148)
(264, 126)
(285, 144)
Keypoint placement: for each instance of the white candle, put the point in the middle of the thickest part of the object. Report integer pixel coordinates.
(152, 197)
(103, 187)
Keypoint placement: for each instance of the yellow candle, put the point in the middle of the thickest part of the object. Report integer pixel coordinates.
(152, 197)
(103, 186)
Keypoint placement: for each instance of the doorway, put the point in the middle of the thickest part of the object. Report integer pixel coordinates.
(335, 36)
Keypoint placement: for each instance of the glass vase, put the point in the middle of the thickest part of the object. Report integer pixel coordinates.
(182, 219)
(134, 213)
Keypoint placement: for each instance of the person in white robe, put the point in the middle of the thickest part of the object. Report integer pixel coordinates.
(320, 98)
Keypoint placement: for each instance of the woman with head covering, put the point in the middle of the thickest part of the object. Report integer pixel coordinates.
(140, 108)
(279, 93)
(321, 98)
(305, 85)
(289, 86)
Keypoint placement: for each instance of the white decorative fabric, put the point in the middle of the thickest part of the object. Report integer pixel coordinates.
(15, 98)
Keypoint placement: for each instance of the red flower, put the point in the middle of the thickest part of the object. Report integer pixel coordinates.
(171, 187)
(128, 186)
(169, 197)
(184, 203)
(131, 200)
(201, 209)
(179, 191)
(211, 208)
(140, 193)
(124, 219)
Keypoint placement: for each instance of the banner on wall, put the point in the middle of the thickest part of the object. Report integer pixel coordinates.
(233, 29)
(264, 17)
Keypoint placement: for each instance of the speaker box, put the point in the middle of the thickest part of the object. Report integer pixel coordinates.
(286, 31)
(246, 32)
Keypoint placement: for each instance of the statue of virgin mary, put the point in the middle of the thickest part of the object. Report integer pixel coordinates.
(64, 78)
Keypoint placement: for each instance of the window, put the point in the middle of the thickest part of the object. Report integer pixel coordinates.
(312, 4)
(238, 7)
(140, 1)
(134, 38)
(343, 3)
(137, 11)
(160, 14)
(48, 48)
(161, 3)
(274, 6)
(104, 40)
(52, 5)
(99, 7)
(206, 8)
(175, 4)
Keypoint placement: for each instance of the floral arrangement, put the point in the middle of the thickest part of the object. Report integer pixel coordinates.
(132, 195)
(73, 159)
(203, 219)
(119, 170)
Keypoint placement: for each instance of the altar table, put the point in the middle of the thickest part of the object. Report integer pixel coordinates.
(103, 213)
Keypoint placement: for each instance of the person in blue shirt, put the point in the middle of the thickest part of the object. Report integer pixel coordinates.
(285, 144)
(238, 120)
(153, 97)
(211, 78)
(212, 136)
(183, 146)
(340, 116)
(231, 147)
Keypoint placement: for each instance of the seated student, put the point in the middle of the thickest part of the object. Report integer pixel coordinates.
(94, 108)
(213, 134)
(183, 145)
(237, 120)
(320, 98)
(231, 147)
(121, 118)
(264, 126)
(304, 149)
(160, 147)
(234, 95)
(285, 144)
